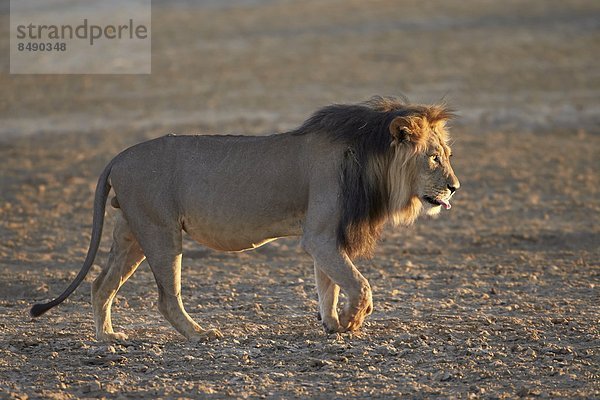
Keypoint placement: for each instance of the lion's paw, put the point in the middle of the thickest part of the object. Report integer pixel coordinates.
(111, 337)
(206, 335)
(352, 318)
(352, 323)
(352, 326)
(332, 326)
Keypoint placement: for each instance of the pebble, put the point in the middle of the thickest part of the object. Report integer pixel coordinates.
(530, 352)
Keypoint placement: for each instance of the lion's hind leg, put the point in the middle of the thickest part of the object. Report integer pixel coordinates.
(163, 248)
(125, 256)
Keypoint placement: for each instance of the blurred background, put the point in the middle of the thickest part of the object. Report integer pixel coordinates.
(517, 257)
(260, 66)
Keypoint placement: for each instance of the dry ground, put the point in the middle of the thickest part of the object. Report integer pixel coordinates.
(497, 298)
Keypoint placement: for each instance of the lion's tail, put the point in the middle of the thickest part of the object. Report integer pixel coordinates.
(102, 190)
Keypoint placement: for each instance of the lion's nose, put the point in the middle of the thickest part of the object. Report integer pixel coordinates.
(453, 187)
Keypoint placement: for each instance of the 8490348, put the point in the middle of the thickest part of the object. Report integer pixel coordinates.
(43, 46)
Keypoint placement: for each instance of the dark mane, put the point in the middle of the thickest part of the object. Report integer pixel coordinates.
(368, 120)
(364, 128)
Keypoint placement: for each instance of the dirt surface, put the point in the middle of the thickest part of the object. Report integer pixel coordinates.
(497, 298)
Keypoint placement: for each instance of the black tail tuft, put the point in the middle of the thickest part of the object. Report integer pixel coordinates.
(39, 309)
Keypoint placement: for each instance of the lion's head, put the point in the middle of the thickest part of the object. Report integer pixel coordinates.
(396, 165)
(421, 158)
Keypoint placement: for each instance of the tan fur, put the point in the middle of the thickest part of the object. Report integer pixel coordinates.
(334, 181)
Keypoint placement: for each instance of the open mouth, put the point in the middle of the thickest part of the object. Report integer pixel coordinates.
(437, 202)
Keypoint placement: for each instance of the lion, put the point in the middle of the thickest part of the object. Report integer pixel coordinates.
(334, 181)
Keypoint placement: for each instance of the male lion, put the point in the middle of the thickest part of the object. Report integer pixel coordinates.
(334, 181)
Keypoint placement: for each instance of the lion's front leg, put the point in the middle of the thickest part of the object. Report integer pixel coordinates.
(328, 293)
(339, 269)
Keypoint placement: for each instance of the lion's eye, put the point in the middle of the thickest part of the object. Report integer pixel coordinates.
(435, 158)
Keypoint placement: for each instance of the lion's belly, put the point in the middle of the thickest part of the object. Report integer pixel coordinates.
(239, 236)
(229, 244)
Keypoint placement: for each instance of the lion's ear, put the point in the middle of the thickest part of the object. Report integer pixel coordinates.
(406, 129)
(398, 130)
